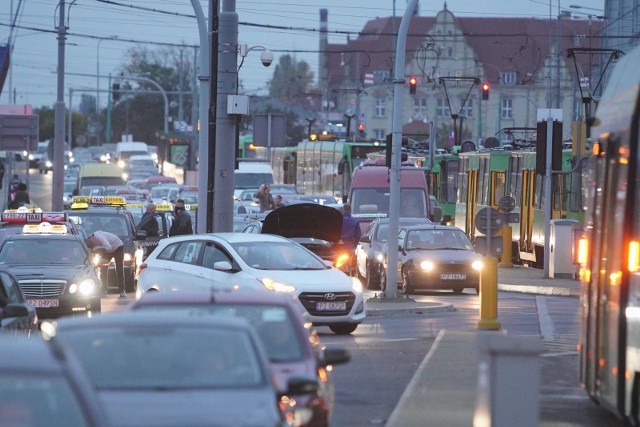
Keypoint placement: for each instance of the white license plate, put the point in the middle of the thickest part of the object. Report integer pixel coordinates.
(44, 302)
(453, 276)
(331, 306)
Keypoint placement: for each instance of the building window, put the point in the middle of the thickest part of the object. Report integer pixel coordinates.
(420, 106)
(380, 107)
(507, 108)
(508, 79)
(467, 110)
(450, 51)
(379, 133)
(442, 108)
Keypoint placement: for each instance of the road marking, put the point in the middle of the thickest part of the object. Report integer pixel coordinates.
(544, 319)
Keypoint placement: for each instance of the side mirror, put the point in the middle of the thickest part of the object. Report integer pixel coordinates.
(437, 214)
(223, 266)
(365, 239)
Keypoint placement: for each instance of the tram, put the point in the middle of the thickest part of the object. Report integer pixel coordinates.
(609, 252)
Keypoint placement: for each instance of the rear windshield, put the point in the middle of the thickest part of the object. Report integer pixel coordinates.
(101, 180)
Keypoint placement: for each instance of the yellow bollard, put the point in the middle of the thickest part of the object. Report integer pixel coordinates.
(489, 295)
(507, 237)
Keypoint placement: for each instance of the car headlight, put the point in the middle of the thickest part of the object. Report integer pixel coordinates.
(125, 176)
(356, 284)
(427, 265)
(477, 265)
(343, 259)
(85, 287)
(128, 257)
(30, 156)
(275, 286)
(379, 256)
(48, 164)
(121, 163)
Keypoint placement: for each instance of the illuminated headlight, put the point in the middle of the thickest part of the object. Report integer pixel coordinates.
(86, 287)
(121, 163)
(154, 156)
(65, 167)
(379, 257)
(343, 259)
(274, 286)
(30, 156)
(70, 154)
(72, 159)
(125, 176)
(97, 259)
(48, 164)
(24, 153)
(128, 257)
(103, 158)
(477, 265)
(356, 284)
(427, 265)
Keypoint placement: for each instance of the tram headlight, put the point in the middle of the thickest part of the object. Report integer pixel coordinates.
(427, 265)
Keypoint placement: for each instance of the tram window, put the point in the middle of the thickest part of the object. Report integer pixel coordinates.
(538, 198)
(462, 178)
(498, 187)
(515, 178)
(483, 182)
(452, 181)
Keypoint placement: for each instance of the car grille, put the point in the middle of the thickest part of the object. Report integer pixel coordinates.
(309, 300)
(36, 288)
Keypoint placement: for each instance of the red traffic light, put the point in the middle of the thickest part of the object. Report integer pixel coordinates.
(413, 82)
(485, 86)
(485, 91)
(361, 127)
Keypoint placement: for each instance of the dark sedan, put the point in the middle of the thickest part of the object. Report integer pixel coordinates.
(15, 312)
(369, 249)
(435, 257)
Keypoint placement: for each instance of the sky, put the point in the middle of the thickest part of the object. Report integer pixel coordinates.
(122, 25)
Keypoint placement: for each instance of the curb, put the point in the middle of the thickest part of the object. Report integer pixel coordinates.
(540, 290)
(422, 309)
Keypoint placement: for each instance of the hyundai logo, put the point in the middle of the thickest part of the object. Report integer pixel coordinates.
(329, 296)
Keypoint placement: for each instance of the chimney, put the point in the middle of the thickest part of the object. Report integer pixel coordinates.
(322, 63)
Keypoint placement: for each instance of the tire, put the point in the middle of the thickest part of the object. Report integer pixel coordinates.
(343, 328)
(373, 282)
(407, 288)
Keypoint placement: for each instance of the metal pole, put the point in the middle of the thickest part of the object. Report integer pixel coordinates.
(70, 118)
(58, 143)
(547, 192)
(214, 12)
(194, 112)
(107, 128)
(396, 146)
(226, 124)
(203, 105)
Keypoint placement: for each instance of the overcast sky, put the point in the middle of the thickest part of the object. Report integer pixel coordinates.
(35, 52)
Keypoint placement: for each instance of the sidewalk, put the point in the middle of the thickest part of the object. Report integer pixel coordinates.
(444, 389)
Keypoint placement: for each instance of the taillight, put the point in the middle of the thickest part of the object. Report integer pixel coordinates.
(634, 256)
(141, 267)
(583, 250)
(343, 259)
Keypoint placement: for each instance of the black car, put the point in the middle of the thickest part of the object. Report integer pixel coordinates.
(15, 312)
(434, 257)
(116, 219)
(314, 226)
(54, 270)
(369, 249)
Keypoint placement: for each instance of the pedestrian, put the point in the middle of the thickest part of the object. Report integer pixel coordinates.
(110, 247)
(2, 170)
(181, 220)
(148, 221)
(13, 187)
(21, 197)
(278, 202)
(265, 198)
(350, 228)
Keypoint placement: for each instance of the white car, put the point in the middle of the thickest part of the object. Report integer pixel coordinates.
(260, 261)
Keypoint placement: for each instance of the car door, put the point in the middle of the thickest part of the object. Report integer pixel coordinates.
(363, 248)
(10, 291)
(176, 267)
(213, 255)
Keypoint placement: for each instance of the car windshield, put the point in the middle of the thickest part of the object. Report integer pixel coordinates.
(37, 250)
(278, 256)
(29, 400)
(114, 224)
(159, 192)
(376, 201)
(274, 325)
(152, 358)
(438, 239)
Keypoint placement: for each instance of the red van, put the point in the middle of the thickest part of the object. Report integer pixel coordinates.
(370, 190)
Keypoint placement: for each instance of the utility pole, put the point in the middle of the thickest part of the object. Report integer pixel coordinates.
(58, 142)
(214, 9)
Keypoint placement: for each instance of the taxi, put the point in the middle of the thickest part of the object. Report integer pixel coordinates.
(164, 217)
(53, 268)
(110, 214)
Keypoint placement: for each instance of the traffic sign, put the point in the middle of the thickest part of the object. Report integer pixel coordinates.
(507, 204)
(489, 221)
(19, 132)
(493, 249)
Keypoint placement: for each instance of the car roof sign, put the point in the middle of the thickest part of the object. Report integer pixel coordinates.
(44, 228)
(101, 200)
(33, 218)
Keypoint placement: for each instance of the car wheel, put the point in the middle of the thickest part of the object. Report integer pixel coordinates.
(407, 288)
(343, 328)
(458, 290)
(373, 282)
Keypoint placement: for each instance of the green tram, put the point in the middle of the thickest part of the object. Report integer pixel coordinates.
(465, 183)
(319, 167)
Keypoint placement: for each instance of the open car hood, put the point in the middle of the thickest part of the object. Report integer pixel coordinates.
(305, 220)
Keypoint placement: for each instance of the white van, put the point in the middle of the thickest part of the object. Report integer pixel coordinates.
(252, 174)
(124, 150)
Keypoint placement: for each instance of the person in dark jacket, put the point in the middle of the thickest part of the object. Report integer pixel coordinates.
(13, 187)
(148, 222)
(21, 197)
(350, 228)
(181, 220)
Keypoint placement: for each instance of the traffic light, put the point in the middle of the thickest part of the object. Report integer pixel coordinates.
(361, 128)
(413, 82)
(115, 91)
(485, 91)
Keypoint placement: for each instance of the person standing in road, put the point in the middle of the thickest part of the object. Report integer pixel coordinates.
(264, 198)
(148, 221)
(113, 247)
(278, 202)
(181, 220)
(350, 228)
(13, 187)
(21, 197)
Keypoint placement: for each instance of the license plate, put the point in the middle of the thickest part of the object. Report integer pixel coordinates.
(43, 302)
(453, 276)
(331, 306)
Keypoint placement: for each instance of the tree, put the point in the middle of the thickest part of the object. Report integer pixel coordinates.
(291, 78)
(46, 123)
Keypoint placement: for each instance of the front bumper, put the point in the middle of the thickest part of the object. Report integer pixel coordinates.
(67, 305)
(329, 308)
(444, 279)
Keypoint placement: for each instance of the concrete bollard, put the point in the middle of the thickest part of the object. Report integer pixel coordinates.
(507, 238)
(489, 295)
(508, 381)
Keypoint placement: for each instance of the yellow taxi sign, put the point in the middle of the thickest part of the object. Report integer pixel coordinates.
(164, 207)
(24, 209)
(100, 200)
(44, 227)
(191, 207)
(79, 206)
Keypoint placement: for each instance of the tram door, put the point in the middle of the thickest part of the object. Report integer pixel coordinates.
(472, 194)
(526, 216)
(604, 329)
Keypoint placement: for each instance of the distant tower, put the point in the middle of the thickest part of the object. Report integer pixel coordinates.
(322, 63)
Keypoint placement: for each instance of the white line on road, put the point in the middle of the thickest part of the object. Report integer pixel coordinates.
(544, 319)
